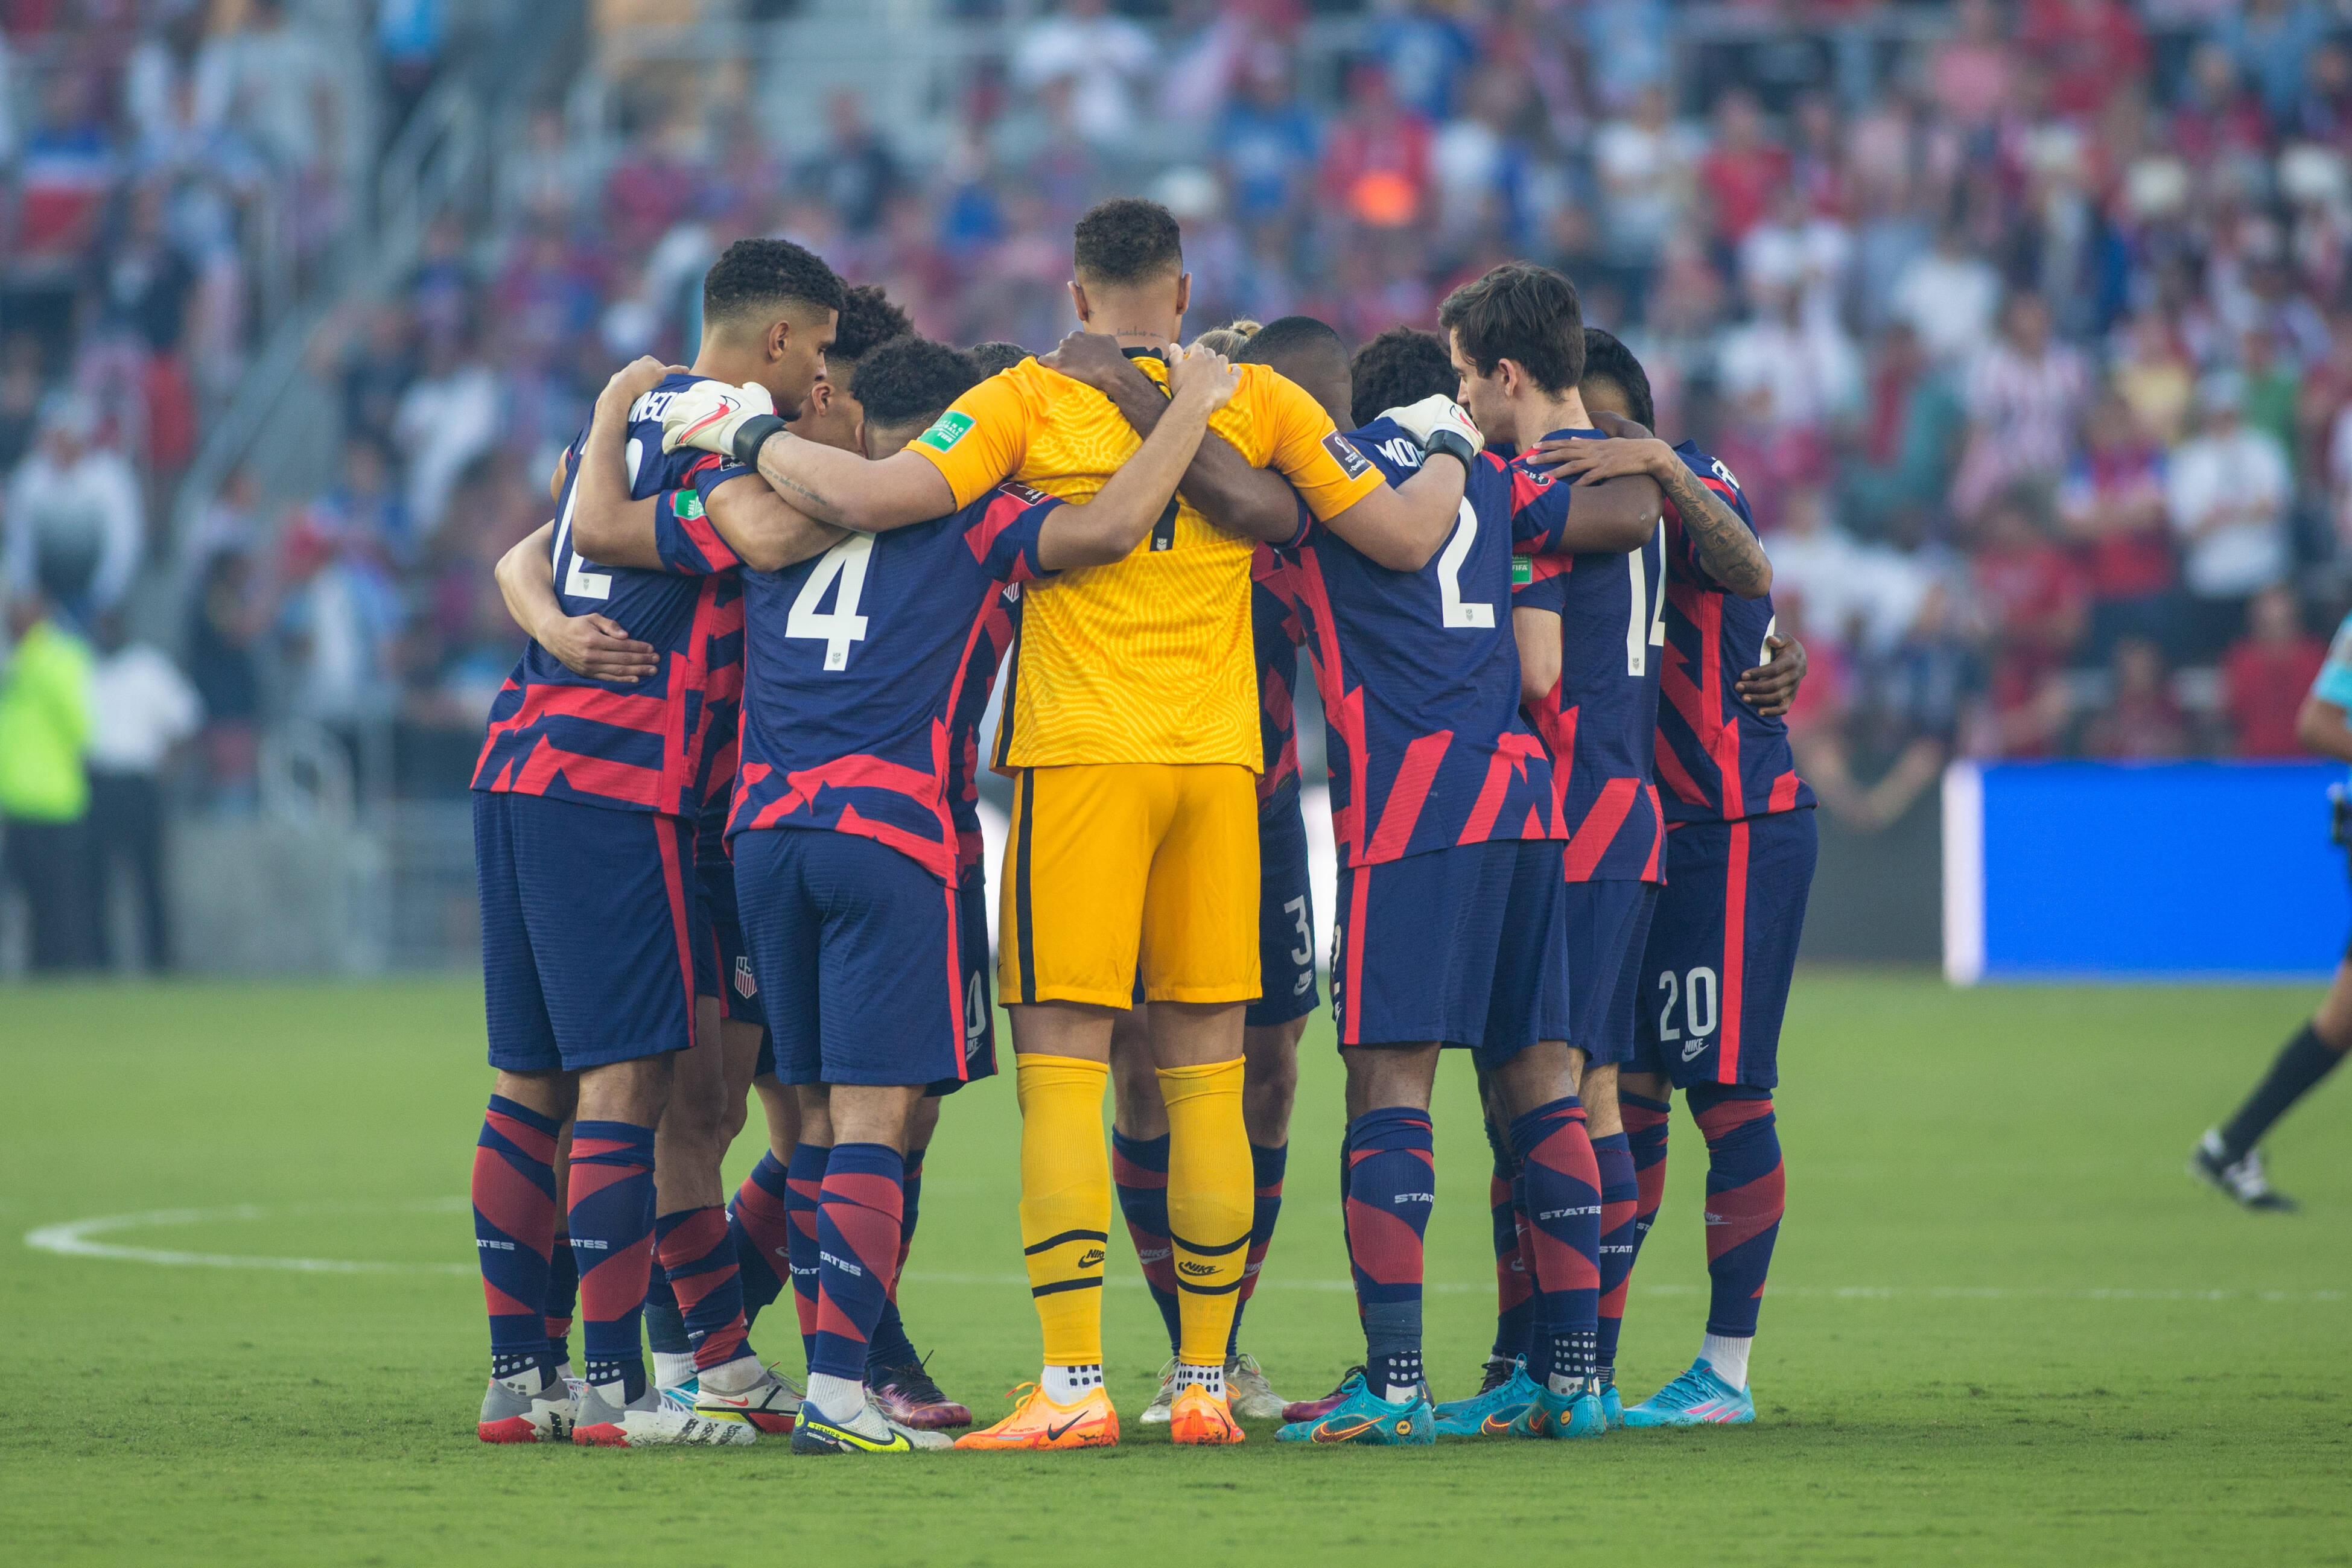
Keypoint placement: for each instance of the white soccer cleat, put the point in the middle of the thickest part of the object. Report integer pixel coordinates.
(1163, 1404)
(2243, 1178)
(1252, 1397)
(651, 1420)
(538, 1407)
(771, 1404)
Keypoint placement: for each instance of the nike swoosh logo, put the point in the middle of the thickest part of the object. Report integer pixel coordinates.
(1054, 1434)
(721, 412)
(1494, 1426)
(1329, 1434)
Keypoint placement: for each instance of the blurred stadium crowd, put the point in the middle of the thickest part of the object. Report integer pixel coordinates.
(2027, 326)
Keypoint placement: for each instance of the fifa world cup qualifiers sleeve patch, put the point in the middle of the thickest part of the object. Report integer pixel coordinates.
(1352, 463)
(683, 539)
(949, 428)
(1301, 444)
(981, 438)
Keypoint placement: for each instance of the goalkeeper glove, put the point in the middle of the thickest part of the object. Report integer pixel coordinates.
(731, 420)
(1438, 423)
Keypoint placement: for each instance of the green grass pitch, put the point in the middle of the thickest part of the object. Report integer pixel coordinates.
(2004, 1326)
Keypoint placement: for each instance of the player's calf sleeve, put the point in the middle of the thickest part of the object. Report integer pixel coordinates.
(1139, 1171)
(763, 1234)
(697, 1253)
(1745, 1194)
(562, 1297)
(1563, 1188)
(611, 1224)
(1392, 1187)
(1347, 1175)
(1268, 1164)
(1064, 1201)
(1620, 1197)
(858, 1217)
(1208, 1203)
(890, 1346)
(1514, 1290)
(514, 1230)
(803, 1183)
(1646, 1122)
(2302, 1064)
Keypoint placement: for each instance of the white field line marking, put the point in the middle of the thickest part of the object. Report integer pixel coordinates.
(75, 1238)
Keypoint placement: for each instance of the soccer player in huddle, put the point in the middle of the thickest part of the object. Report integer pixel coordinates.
(844, 828)
(1130, 728)
(585, 801)
(1741, 844)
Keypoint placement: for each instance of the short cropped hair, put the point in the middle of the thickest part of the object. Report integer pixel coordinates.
(1287, 335)
(868, 320)
(1127, 240)
(995, 355)
(1606, 358)
(1396, 368)
(1523, 313)
(912, 381)
(761, 274)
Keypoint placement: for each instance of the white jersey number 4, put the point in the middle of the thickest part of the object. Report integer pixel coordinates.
(837, 628)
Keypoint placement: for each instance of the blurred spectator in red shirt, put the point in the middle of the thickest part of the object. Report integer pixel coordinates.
(2218, 117)
(2111, 507)
(2090, 47)
(2141, 721)
(2266, 674)
(1971, 73)
(1743, 168)
(2032, 596)
(1377, 165)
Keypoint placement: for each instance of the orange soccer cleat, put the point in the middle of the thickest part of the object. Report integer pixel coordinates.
(1200, 1417)
(1037, 1422)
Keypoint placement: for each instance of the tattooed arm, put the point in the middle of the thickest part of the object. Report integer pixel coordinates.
(1731, 553)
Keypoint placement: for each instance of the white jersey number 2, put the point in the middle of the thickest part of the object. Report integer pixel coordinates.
(1455, 611)
(837, 628)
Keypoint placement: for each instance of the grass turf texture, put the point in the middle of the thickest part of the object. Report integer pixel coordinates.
(2022, 1144)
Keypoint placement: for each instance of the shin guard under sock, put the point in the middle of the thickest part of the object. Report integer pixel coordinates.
(697, 1253)
(1620, 1201)
(1391, 1191)
(611, 1224)
(763, 1233)
(803, 1186)
(1745, 1194)
(1563, 1190)
(859, 1219)
(514, 1231)
(890, 1346)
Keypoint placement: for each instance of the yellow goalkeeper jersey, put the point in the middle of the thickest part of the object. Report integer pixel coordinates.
(1147, 660)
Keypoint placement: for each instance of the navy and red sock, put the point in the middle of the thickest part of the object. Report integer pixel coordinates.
(514, 1230)
(697, 1254)
(763, 1233)
(1745, 1194)
(1514, 1289)
(1269, 1162)
(1138, 1170)
(1620, 1203)
(1392, 1182)
(891, 1346)
(803, 1183)
(611, 1224)
(1646, 1123)
(859, 1212)
(1563, 1201)
(562, 1298)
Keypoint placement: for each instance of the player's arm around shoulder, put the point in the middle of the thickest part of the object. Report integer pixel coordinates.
(764, 530)
(608, 526)
(591, 645)
(1617, 485)
(1402, 528)
(1109, 526)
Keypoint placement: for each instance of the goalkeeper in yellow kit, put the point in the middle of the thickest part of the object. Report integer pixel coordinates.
(1130, 728)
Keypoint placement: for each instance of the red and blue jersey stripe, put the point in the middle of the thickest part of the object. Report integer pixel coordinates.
(1426, 745)
(865, 672)
(661, 744)
(1719, 760)
(1276, 630)
(1601, 722)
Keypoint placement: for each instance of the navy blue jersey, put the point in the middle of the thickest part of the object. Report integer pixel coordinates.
(991, 639)
(1420, 673)
(1276, 630)
(1719, 760)
(660, 743)
(856, 668)
(1600, 723)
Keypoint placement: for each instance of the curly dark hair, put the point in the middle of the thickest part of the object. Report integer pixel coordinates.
(1523, 313)
(1127, 240)
(1608, 359)
(996, 355)
(868, 320)
(1401, 366)
(753, 273)
(912, 381)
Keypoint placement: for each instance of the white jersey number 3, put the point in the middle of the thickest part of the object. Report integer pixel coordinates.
(837, 628)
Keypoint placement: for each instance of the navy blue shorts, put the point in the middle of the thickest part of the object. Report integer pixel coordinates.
(722, 964)
(1465, 945)
(1722, 949)
(588, 932)
(1608, 924)
(859, 947)
(1285, 918)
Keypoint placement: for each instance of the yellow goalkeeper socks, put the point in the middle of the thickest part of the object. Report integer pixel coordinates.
(1065, 1199)
(1209, 1202)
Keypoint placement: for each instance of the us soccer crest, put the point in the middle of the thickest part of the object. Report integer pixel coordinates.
(745, 986)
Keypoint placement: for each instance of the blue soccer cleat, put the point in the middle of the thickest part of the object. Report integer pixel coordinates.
(1612, 1406)
(1697, 1399)
(1489, 1412)
(1574, 1416)
(1363, 1417)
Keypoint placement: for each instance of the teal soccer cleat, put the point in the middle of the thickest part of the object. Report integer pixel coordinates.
(1697, 1399)
(1363, 1417)
(1576, 1415)
(1489, 1412)
(1612, 1407)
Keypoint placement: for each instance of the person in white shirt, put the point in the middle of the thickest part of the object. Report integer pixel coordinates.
(2227, 489)
(141, 707)
(73, 496)
(1800, 374)
(1949, 296)
(1106, 59)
